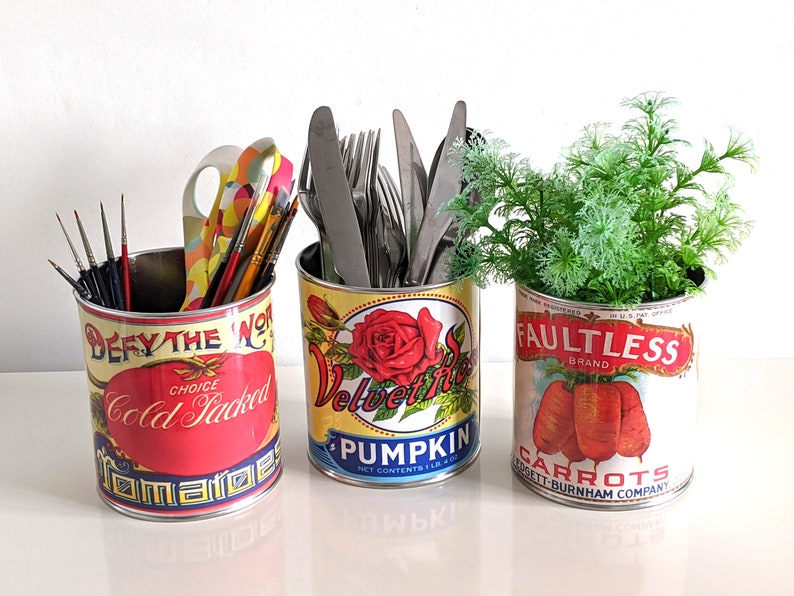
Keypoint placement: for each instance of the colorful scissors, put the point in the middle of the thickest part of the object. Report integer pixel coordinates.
(207, 236)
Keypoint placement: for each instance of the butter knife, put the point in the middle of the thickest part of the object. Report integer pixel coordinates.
(413, 179)
(446, 184)
(336, 200)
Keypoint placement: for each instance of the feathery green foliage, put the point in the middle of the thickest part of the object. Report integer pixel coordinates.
(620, 221)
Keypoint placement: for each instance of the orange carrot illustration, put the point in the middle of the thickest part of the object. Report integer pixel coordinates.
(596, 414)
(635, 435)
(554, 421)
(571, 450)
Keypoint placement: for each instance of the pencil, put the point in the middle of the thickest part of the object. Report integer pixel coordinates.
(78, 287)
(104, 297)
(125, 261)
(278, 244)
(85, 278)
(113, 273)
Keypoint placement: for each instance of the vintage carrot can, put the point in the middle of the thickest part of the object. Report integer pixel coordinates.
(605, 400)
(392, 379)
(183, 404)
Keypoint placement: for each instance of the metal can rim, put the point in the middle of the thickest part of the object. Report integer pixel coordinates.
(610, 308)
(177, 314)
(302, 271)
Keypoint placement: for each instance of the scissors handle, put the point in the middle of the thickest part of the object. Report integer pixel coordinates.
(199, 229)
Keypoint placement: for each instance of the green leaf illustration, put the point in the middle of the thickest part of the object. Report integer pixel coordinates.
(387, 384)
(351, 371)
(457, 398)
(315, 334)
(98, 419)
(419, 406)
(339, 353)
(384, 413)
(460, 334)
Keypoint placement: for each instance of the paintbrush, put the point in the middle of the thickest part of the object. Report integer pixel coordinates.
(78, 287)
(85, 278)
(209, 296)
(104, 296)
(220, 270)
(278, 212)
(126, 282)
(277, 245)
(234, 258)
(113, 272)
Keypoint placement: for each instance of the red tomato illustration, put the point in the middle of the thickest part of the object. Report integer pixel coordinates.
(193, 416)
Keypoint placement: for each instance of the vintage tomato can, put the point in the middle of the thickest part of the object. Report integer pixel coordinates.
(183, 404)
(392, 379)
(605, 400)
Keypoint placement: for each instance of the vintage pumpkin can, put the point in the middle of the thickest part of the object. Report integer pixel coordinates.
(183, 404)
(605, 400)
(392, 379)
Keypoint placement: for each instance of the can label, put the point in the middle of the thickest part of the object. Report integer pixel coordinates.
(392, 381)
(183, 407)
(605, 400)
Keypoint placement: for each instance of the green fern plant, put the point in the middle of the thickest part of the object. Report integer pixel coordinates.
(620, 220)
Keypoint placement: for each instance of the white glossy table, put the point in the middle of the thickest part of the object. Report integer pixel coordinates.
(481, 532)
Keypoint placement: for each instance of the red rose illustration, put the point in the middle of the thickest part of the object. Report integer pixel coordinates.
(391, 345)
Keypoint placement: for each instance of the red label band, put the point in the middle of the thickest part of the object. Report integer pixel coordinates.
(603, 346)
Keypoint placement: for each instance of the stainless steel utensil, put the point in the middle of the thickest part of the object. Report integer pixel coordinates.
(439, 269)
(393, 230)
(374, 234)
(445, 185)
(413, 179)
(311, 206)
(336, 200)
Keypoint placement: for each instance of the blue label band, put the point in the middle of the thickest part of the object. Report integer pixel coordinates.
(397, 459)
(121, 483)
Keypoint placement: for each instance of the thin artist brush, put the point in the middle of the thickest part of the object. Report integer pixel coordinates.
(234, 258)
(104, 297)
(113, 273)
(275, 217)
(85, 278)
(209, 296)
(278, 244)
(78, 287)
(278, 211)
(125, 261)
(240, 266)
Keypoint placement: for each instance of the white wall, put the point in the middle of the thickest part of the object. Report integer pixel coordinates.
(103, 98)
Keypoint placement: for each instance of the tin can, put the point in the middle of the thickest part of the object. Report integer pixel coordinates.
(605, 400)
(392, 379)
(183, 404)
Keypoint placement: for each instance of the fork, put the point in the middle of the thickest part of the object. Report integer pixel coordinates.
(371, 183)
(360, 156)
(311, 206)
(394, 235)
